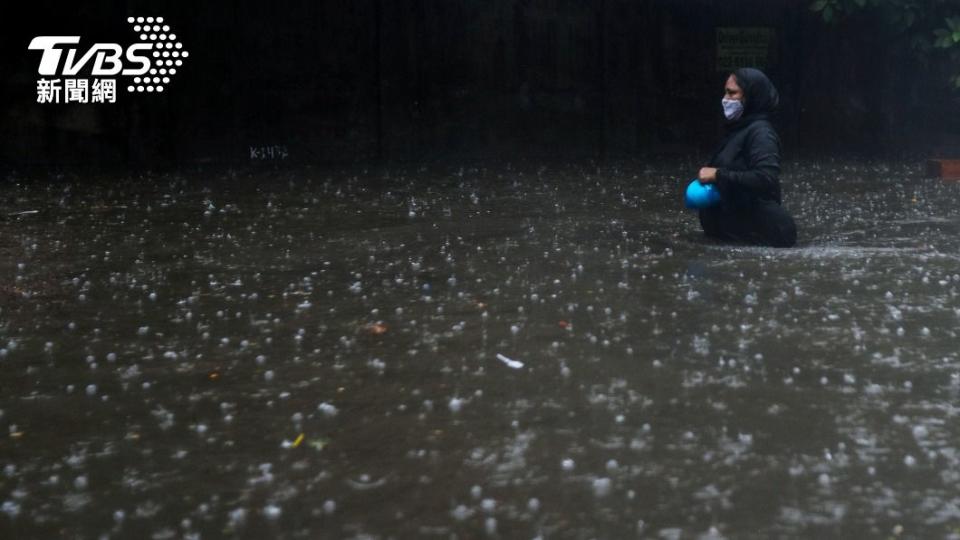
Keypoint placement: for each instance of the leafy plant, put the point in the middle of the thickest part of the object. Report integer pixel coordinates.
(930, 27)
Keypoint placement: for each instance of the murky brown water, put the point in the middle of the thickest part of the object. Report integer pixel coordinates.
(513, 352)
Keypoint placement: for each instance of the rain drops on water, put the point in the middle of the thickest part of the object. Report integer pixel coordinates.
(471, 339)
(328, 410)
(272, 511)
(329, 506)
(602, 487)
(461, 513)
(490, 526)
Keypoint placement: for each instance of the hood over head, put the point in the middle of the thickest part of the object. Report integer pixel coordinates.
(760, 97)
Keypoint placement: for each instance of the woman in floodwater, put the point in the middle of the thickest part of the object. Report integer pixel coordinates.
(746, 168)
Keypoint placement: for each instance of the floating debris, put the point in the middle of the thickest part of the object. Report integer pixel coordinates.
(513, 364)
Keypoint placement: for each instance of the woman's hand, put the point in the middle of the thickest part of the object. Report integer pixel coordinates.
(708, 175)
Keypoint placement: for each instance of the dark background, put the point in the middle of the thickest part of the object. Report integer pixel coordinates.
(348, 81)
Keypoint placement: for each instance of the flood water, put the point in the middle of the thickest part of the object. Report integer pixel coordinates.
(513, 352)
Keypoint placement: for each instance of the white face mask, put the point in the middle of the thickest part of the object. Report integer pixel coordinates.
(732, 108)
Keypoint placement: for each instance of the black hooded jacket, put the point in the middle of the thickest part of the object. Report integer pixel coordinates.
(748, 160)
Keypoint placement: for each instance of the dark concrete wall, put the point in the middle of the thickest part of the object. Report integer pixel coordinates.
(360, 80)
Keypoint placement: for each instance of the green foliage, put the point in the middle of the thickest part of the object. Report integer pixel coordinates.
(930, 27)
(948, 36)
